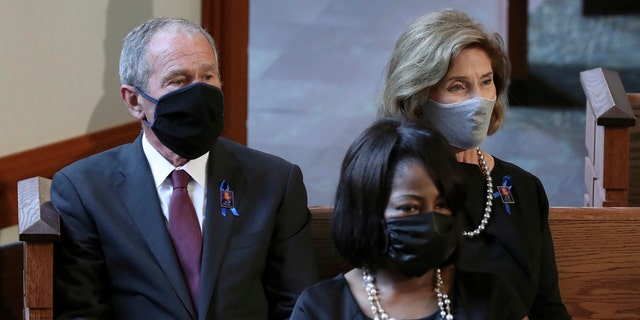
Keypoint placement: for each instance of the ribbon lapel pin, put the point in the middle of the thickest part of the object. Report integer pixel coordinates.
(226, 199)
(504, 192)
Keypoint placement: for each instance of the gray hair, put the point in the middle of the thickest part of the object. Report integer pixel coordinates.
(134, 66)
(423, 55)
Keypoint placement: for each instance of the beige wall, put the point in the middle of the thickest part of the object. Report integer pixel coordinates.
(59, 65)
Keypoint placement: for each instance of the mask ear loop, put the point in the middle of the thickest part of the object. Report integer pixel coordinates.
(148, 97)
(385, 233)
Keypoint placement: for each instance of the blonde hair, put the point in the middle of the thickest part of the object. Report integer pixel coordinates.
(423, 55)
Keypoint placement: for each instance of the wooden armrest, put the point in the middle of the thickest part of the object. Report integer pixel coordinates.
(37, 218)
(39, 225)
(607, 98)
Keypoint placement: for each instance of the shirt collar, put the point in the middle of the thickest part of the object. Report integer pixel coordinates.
(161, 167)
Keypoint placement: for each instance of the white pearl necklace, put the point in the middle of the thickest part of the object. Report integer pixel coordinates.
(444, 303)
(489, 199)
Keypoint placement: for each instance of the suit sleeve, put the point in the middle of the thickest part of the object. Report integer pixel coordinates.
(80, 278)
(291, 266)
(547, 303)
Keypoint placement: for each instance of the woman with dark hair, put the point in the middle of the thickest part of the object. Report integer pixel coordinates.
(398, 198)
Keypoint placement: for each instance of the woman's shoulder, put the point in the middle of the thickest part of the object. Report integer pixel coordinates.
(328, 299)
(500, 168)
(511, 168)
(337, 284)
(517, 175)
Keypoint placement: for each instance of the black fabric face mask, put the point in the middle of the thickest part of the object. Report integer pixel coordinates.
(419, 243)
(188, 120)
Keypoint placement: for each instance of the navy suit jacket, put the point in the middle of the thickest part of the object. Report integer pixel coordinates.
(116, 259)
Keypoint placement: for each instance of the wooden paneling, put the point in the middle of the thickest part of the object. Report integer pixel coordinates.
(517, 24)
(228, 22)
(46, 160)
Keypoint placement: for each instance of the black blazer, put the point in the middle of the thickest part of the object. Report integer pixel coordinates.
(517, 245)
(116, 260)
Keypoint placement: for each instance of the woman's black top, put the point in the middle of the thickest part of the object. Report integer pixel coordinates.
(474, 296)
(517, 243)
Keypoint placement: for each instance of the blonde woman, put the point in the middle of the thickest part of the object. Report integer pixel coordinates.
(446, 70)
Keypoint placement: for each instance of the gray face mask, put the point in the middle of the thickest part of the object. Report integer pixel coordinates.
(464, 123)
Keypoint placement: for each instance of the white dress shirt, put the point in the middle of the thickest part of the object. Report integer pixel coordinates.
(161, 169)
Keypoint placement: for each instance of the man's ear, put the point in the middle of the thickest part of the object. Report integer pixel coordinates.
(132, 100)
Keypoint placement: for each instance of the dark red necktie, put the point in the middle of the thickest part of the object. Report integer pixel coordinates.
(185, 232)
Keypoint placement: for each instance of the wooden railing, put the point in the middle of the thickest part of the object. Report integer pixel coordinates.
(612, 140)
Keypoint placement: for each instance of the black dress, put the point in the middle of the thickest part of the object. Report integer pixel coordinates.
(517, 242)
(474, 296)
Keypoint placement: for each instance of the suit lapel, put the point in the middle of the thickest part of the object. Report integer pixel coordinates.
(222, 165)
(140, 197)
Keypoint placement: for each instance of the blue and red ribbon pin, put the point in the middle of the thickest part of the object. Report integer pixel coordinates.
(227, 200)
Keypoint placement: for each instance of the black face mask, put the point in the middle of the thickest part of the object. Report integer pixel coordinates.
(188, 120)
(421, 242)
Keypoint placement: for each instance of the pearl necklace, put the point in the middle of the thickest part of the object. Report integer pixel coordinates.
(444, 303)
(487, 209)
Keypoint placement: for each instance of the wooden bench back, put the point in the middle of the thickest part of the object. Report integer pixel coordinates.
(329, 262)
(598, 261)
(597, 253)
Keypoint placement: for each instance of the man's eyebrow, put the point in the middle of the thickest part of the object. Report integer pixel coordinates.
(175, 72)
(202, 67)
(207, 67)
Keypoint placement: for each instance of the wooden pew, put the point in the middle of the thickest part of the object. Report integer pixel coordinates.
(597, 253)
